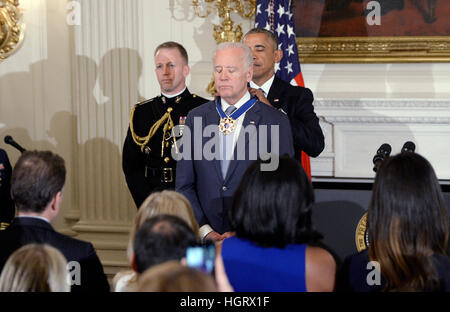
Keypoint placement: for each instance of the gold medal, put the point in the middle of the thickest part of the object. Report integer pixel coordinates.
(227, 125)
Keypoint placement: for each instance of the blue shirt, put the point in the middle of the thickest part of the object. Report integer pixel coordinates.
(253, 268)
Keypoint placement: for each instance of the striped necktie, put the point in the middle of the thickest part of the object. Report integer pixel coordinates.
(227, 145)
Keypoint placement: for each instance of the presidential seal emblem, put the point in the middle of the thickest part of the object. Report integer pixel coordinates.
(361, 234)
(227, 125)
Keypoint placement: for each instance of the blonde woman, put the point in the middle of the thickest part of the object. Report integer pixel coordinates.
(35, 268)
(165, 202)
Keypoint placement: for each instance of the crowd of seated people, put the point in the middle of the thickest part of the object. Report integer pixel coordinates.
(165, 202)
(274, 246)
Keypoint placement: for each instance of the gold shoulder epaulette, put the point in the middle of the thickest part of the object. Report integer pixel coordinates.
(145, 102)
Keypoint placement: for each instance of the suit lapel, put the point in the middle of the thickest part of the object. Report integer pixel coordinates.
(252, 117)
(276, 92)
(213, 118)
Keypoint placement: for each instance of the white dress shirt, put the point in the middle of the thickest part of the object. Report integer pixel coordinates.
(240, 119)
(265, 87)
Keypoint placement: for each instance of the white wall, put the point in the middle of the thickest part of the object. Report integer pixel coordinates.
(416, 80)
(35, 87)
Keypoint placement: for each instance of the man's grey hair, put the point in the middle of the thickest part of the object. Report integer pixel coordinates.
(248, 58)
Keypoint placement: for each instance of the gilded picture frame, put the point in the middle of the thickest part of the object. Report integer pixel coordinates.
(414, 31)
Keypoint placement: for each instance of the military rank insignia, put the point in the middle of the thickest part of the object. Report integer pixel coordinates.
(181, 124)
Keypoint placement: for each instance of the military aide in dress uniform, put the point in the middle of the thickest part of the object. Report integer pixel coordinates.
(7, 210)
(147, 160)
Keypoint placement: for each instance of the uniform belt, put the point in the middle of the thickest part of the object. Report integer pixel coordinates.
(167, 175)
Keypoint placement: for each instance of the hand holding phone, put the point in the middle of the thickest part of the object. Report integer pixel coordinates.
(202, 256)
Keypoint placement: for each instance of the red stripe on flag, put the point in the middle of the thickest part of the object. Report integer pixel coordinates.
(299, 80)
(306, 163)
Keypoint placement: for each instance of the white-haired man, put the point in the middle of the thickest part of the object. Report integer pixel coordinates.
(245, 129)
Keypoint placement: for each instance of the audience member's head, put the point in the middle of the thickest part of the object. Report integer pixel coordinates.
(172, 276)
(37, 182)
(35, 268)
(165, 202)
(273, 208)
(159, 239)
(407, 222)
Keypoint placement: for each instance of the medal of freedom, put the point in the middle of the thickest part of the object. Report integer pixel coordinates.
(228, 123)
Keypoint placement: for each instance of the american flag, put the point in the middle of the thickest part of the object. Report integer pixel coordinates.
(277, 16)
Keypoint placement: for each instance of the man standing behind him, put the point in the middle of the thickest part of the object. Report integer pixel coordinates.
(296, 102)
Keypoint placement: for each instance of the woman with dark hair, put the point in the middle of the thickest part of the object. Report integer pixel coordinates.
(271, 216)
(408, 229)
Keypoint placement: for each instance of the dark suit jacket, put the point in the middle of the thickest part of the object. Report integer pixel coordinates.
(297, 103)
(24, 230)
(201, 180)
(353, 275)
(7, 209)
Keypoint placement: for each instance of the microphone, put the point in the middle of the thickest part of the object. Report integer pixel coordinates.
(408, 147)
(382, 153)
(9, 140)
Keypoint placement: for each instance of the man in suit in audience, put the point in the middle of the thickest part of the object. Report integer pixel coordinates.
(209, 173)
(36, 186)
(159, 239)
(7, 209)
(295, 101)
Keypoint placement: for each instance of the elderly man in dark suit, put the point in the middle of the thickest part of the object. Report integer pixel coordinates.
(242, 129)
(36, 185)
(296, 102)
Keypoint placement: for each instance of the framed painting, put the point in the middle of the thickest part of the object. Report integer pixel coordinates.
(366, 31)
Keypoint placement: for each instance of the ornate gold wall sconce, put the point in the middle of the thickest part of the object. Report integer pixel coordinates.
(12, 29)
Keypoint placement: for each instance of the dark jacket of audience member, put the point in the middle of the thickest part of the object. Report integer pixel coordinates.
(7, 209)
(271, 215)
(37, 182)
(159, 239)
(408, 228)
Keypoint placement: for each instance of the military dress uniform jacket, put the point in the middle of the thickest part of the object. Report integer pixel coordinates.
(7, 210)
(150, 167)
